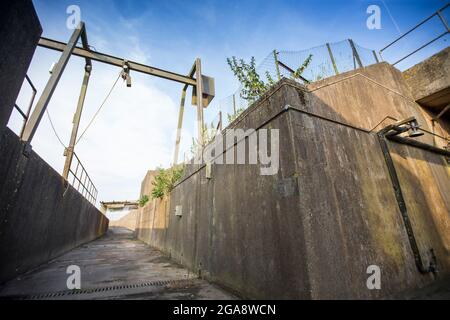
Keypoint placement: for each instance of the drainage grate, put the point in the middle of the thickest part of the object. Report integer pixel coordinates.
(66, 293)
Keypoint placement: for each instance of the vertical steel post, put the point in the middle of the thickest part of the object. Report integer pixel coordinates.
(41, 106)
(375, 56)
(76, 122)
(180, 123)
(275, 56)
(355, 53)
(332, 59)
(198, 77)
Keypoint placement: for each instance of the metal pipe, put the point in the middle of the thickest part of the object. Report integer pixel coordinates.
(382, 135)
(420, 145)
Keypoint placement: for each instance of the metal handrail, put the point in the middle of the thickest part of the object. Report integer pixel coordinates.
(83, 181)
(444, 22)
(26, 115)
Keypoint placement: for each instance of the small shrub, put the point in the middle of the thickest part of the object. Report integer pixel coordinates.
(233, 116)
(165, 180)
(252, 85)
(208, 135)
(143, 200)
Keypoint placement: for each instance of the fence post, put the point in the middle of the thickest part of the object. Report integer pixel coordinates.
(275, 56)
(375, 56)
(355, 53)
(332, 59)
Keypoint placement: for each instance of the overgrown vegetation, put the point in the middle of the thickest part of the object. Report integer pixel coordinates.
(208, 134)
(298, 73)
(253, 86)
(165, 180)
(143, 200)
(233, 116)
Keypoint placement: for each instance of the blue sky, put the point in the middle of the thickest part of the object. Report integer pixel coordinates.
(170, 35)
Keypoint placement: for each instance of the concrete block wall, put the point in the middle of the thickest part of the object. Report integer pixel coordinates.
(311, 230)
(128, 221)
(20, 31)
(40, 217)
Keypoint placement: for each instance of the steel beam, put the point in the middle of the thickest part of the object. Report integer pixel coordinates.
(36, 116)
(180, 117)
(198, 77)
(180, 124)
(76, 122)
(441, 113)
(115, 61)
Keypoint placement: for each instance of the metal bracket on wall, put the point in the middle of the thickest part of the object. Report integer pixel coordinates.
(393, 130)
(26, 149)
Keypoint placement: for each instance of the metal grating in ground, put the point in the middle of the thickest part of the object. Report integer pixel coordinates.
(65, 293)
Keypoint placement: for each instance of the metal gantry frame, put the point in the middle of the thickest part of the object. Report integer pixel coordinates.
(70, 48)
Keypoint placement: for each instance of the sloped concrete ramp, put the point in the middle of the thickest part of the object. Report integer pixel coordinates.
(116, 266)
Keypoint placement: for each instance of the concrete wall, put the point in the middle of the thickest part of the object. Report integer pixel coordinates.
(128, 221)
(429, 80)
(40, 218)
(311, 230)
(20, 31)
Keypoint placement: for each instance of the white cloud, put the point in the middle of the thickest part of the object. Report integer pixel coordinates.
(133, 132)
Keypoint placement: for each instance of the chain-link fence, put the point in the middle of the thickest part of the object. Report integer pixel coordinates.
(326, 61)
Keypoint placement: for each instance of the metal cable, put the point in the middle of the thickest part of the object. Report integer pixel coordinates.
(98, 110)
(54, 130)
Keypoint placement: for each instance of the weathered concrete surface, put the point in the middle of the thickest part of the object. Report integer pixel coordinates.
(119, 267)
(40, 218)
(20, 31)
(146, 184)
(128, 221)
(311, 230)
(429, 80)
